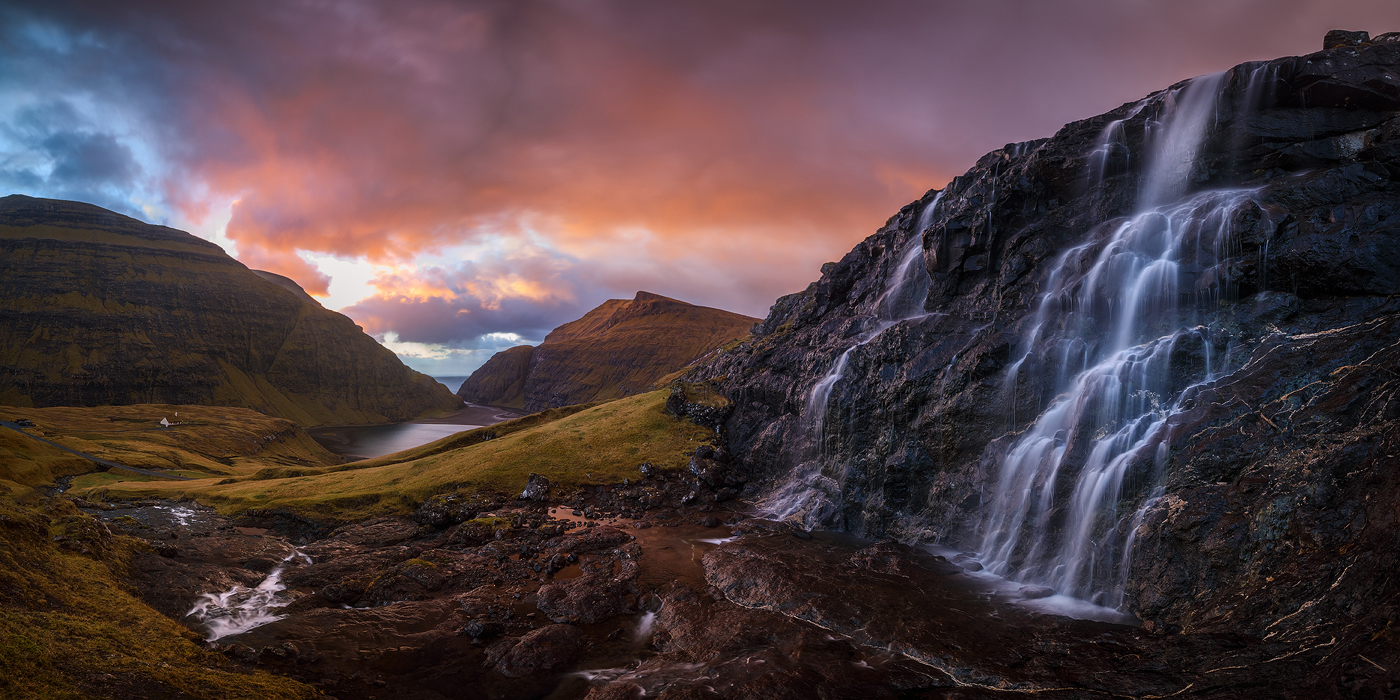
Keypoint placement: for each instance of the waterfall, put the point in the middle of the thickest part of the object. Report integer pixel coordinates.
(806, 493)
(1116, 335)
(1174, 141)
(240, 608)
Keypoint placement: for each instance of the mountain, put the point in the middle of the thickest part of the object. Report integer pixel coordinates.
(618, 349)
(1148, 362)
(101, 309)
(288, 284)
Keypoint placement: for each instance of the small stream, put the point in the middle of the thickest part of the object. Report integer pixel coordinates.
(240, 608)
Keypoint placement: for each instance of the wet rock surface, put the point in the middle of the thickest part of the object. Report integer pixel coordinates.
(387, 608)
(464, 594)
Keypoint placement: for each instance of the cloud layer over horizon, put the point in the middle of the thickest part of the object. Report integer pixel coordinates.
(495, 168)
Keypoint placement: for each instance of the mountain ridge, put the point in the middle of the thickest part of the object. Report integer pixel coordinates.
(617, 349)
(97, 308)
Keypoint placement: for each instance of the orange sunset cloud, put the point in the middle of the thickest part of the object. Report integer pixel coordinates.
(516, 163)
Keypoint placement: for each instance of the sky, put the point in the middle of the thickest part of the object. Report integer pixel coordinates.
(461, 177)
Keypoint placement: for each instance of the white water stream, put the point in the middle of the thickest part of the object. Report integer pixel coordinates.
(1117, 334)
(806, 493)
(240, 609)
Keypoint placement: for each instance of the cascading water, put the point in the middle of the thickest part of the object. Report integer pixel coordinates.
(240, 609)
(1119, 337)
(806, 493)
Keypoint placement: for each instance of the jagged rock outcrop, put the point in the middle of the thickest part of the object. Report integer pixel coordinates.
(1149, 359)
(618, 349)
(100, 309)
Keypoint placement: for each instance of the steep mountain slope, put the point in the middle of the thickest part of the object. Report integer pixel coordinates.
(615, 350)
(288, 284)
(98, 308)
(501, 381)
(1148, 362)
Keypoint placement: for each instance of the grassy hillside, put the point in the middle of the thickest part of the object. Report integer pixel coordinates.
(207, 441)
(618, 349)
(101, 309)
(71, 628)
(600, 444)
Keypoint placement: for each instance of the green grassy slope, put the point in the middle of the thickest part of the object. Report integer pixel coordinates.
(207, 441)
(601, 444)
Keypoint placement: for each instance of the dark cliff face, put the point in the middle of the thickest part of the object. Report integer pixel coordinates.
(1153, 365)
(618, 349)
(97, 309)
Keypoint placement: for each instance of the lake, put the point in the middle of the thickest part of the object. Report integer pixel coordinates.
(369, 441)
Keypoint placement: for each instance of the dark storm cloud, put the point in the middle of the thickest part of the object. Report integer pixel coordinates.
(713, 151)
(92, 159)
(50, 147)
(462, 322)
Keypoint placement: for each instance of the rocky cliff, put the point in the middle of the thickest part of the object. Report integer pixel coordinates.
(1149, 362)
(618, 349)
(98, 308)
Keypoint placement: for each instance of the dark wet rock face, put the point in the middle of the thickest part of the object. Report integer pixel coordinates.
(1338, 38)
(1262, 499)
(541, 650)
(536, 488)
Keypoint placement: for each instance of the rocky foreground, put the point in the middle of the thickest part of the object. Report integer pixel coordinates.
(654, 589)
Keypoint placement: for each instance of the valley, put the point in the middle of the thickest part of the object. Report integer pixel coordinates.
(1115, 413)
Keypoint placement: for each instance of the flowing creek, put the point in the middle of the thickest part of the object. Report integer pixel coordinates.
(856, 609)
(240, 608)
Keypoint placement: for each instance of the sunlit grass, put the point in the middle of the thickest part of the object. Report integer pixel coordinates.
(602, 444)
(207, 441)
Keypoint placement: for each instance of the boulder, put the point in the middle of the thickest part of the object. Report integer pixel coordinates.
(537, 652)
(536, 488)
(1340, 37)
